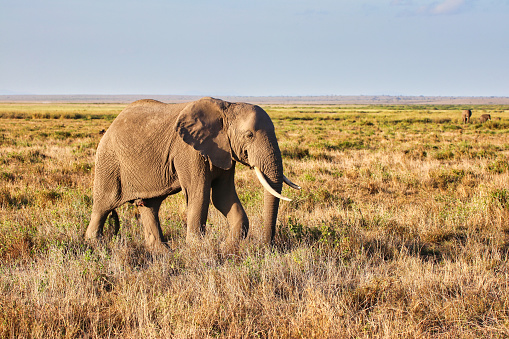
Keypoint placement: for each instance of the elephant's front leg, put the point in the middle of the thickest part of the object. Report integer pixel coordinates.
(226, 200)
(198, 199)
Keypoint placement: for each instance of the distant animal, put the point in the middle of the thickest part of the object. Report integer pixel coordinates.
(101, 132)
(466, 116)
(484, 118)
(153, 150)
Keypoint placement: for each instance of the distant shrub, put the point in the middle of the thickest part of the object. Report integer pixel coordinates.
(501, 196)
(61, 135)
(326, 233)
(295, 152)
(41, 115)
(416, 153)
(445, 178)
(498, 166)
(32, 156)
(498, 124)
(82, 167)
(7, 176)
(442, 120)
(13, 199)
(444, 154)
(12, 115)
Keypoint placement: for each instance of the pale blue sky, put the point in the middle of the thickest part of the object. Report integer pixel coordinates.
(255, 47)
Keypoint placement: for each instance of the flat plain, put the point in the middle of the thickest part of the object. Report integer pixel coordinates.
(400, 230)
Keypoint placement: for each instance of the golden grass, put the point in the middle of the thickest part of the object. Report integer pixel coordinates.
(400, 230)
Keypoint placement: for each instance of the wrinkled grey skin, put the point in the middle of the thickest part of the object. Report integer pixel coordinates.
(484, 118)
(153, 150)
(466, 116)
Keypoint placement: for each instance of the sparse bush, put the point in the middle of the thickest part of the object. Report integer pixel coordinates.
(7, 176)
(446, 178)
(501, 196)
(295, 152)
(15, 199)
(82, 167)
(418, 152)
(444, 154)
(499, 166)
(31, 157)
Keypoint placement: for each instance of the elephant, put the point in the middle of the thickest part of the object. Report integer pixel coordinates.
(153, 149)
(466, 115)
(484, 118)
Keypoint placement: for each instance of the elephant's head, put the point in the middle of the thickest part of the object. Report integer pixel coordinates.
(226, 132)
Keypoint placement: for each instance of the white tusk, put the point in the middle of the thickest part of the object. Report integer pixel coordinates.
(266, 185)
(291, 184)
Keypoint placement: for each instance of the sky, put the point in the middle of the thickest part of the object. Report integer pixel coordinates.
(255, 48)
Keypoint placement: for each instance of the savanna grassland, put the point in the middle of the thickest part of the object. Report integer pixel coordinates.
(400, 230)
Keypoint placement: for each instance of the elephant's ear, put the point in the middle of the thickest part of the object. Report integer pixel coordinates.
(201, 125)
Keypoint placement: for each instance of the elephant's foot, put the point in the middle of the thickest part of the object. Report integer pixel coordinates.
(90, 235)
(93, 235)
(230, 248)
(234, 244)
(194, 239)
(160, 248)
(95, 228)
(155, 244)
(94, 240)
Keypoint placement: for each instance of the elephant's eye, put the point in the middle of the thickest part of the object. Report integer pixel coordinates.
(249, 135)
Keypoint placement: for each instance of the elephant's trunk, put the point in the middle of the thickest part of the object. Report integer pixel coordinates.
(270, 210)
(272, 168)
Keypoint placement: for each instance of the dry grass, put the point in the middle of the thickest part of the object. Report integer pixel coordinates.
(400, 230)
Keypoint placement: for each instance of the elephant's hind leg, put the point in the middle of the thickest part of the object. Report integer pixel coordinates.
(95, 227)
(107, 193)
(149, 212)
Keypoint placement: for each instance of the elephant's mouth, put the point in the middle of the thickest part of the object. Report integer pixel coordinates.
(243, 162)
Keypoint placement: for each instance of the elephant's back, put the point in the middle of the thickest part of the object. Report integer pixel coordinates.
(143, 127)
(145, 115)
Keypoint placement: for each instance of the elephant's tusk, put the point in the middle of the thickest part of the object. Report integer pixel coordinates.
(266, 185)
(291, 184)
